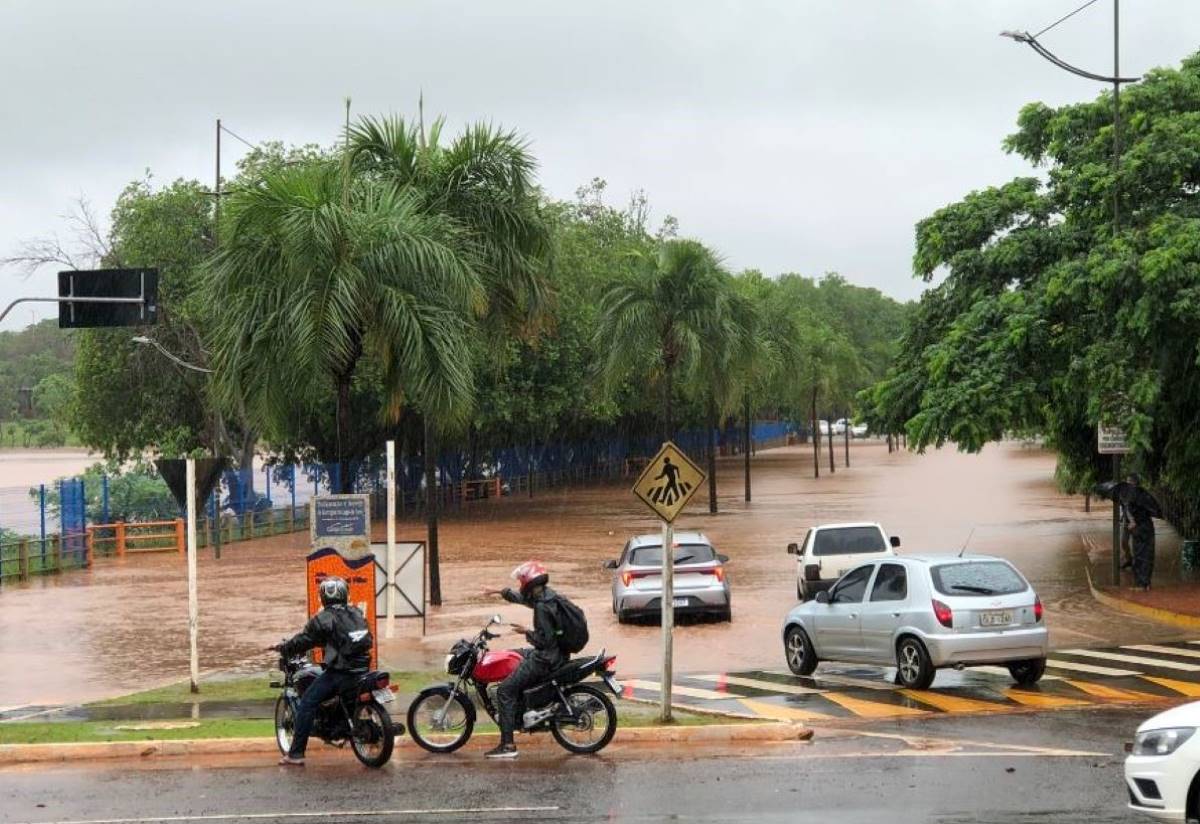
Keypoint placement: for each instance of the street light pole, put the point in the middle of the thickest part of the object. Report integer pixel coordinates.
(1116, 80)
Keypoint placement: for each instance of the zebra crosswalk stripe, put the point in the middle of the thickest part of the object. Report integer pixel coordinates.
(1176, 651)
(1091, 669)
(1133, 659)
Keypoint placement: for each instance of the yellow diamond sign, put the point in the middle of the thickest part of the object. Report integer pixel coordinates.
(668, 482)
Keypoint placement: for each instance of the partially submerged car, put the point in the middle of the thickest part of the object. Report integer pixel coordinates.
(701, 585)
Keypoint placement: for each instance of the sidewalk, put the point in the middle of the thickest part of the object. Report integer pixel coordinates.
(1174, 595)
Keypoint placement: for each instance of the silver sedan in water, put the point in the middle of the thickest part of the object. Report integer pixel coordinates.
(700, 582)
(920, 614)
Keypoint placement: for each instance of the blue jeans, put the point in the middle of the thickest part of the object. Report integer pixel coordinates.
(328, 684)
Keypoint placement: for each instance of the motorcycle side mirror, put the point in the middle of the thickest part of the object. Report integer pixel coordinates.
(495, 620)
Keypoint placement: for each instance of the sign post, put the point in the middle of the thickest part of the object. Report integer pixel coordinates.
(193, 596)
(666, 486)
(391, 538)
(1111, 440)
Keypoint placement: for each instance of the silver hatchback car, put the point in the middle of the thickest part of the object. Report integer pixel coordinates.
(922, 613)
(700, 582)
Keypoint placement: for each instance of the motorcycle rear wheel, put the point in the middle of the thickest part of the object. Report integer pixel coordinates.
(444, 733)
(595, 723)
(285, 724)
(372, 738)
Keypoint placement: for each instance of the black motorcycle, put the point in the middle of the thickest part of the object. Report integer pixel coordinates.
(357, 715)
(580, 716)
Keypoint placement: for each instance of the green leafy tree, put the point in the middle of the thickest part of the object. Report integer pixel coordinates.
(1048, 320)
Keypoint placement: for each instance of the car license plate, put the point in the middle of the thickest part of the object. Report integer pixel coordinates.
(995, 619)
(679, 602)
(384, 696)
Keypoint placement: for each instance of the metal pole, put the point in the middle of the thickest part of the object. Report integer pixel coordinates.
(217, 188)
(42, 508)
(668, 615)
(104, 497)
(390, 573)
(1116, 526)
(193, 599)
(1116, 164)
(846, 432)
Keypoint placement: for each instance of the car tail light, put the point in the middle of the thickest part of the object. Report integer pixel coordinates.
(1037, 608)
(720, 573)
(626, 577)
(944, 614)
(610, 664)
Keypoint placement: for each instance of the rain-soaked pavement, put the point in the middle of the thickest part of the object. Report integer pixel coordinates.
(122, 626)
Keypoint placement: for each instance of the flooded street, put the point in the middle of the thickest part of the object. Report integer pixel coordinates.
(122, 626)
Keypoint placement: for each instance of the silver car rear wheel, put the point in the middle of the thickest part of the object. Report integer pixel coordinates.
(799, 651)
(914, 670)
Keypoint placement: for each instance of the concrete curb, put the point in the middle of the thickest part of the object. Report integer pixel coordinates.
(74, 752)
(1154, 613)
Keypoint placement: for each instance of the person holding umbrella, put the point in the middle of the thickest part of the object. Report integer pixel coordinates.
(1140, 507)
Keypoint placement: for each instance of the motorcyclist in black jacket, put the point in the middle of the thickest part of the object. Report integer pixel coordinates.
(338, 619)
(545, 656)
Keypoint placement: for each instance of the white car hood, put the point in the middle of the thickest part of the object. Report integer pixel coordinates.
(1187, 715)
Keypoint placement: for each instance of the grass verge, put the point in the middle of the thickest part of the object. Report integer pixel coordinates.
(60, 732)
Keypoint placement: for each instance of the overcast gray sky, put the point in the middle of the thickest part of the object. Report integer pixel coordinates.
(790, 136)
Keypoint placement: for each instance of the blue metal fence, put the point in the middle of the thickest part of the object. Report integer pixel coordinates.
(273, 499)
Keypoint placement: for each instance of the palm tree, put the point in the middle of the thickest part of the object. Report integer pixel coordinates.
(319, 269)
(483, 181)
(729, 347)
(655, 320)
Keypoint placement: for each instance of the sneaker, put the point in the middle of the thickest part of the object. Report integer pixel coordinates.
(502, 751)
(289, 761)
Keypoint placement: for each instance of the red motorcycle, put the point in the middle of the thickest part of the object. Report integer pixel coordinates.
(580, 716)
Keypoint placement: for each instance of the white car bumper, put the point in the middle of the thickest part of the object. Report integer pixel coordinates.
(1158, 785)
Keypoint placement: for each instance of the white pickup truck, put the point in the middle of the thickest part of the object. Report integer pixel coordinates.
(830, 550)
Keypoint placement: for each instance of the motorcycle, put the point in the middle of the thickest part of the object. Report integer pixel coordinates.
(357, 715)
(580, 716)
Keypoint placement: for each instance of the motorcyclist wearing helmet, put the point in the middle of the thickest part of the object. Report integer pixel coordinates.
(545, 656)
(336, 618)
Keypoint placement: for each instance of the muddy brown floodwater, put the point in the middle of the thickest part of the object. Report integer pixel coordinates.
(122, 626)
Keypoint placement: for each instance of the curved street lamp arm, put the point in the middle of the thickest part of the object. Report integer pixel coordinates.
(1026, 37)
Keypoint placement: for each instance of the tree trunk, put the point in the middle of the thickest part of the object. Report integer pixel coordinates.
(432, 496)
(832, 463)
(345, 482)
(668, 422)
(846, 418)
(746, 444)
(816, 432)
(712, 456)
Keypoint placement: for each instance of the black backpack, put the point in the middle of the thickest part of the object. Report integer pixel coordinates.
(573, 628)
(351, 636)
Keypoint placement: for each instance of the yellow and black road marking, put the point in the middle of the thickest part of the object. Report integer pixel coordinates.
(1075, 679)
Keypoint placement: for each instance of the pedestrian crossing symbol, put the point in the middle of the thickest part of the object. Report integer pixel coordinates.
(668, 482)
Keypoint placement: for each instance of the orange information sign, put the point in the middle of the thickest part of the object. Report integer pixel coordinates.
(359, 575)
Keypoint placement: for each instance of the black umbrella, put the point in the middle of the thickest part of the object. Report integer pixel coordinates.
(1130, 495)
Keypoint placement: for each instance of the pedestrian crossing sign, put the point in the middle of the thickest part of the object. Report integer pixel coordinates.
(668, 482)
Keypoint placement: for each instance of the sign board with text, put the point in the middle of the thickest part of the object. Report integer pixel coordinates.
(342, 522)
(1110, 440)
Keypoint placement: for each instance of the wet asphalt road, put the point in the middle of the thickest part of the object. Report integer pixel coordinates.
(1058, 767)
